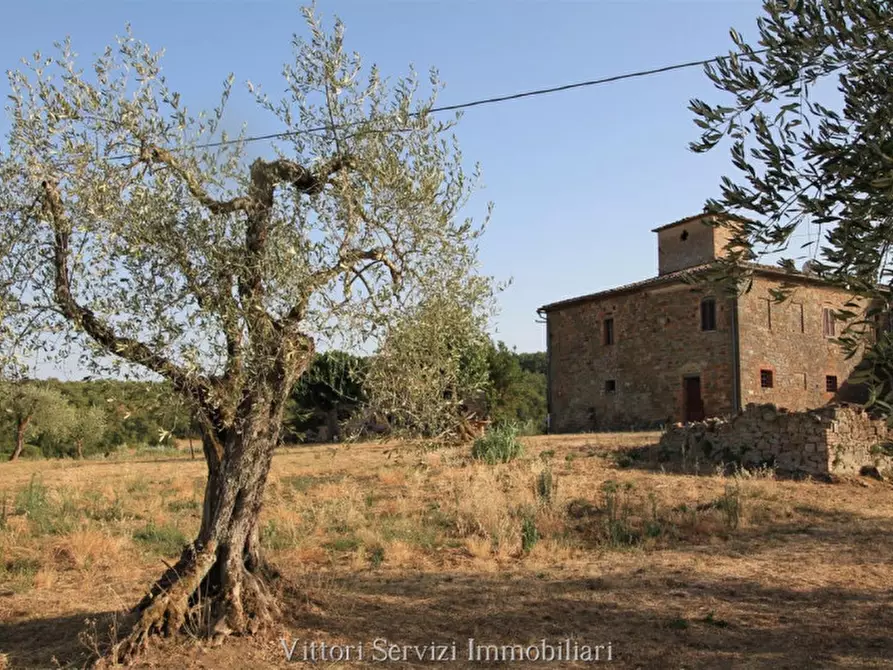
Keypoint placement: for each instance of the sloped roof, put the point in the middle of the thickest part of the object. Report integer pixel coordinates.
(695, 217)
(674, 277)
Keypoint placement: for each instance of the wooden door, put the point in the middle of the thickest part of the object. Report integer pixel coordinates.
(692, 402)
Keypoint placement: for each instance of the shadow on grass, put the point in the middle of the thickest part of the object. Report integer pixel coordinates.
(674, 620)
(651, 458)
(654, 616)
(56, 642)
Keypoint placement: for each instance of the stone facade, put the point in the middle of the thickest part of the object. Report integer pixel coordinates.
(641, 373)
(831, 440)
(688, 243)
(656, 341)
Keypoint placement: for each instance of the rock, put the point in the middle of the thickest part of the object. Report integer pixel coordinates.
(871, 471)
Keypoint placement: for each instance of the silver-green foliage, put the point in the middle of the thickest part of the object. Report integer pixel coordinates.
(808, 111)
(431, 372)
(123, 231)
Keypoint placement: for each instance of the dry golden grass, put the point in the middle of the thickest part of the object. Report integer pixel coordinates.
(675, 570)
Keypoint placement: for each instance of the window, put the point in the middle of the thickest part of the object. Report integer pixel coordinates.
(708, 314)
(768, 309)
(831, 383)
(800, 380)
(609, 331)
(827, 322)
(766, 379)
(610, 386)
(799, 320)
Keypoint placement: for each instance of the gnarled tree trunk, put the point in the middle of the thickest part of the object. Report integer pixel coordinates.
(21, 428)
(220, 585)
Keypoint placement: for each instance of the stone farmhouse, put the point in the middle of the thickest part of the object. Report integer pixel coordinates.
(665, 350)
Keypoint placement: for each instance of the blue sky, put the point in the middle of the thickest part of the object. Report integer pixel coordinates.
(578, 179)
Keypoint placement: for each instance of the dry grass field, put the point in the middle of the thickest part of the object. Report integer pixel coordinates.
(576, 539)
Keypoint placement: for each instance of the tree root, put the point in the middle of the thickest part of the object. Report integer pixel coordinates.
(184, 600)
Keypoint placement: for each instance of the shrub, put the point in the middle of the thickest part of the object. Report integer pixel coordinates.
(618, 529)
(376, 556)
(499, 444)
(545, 486)
(731, 504)
(529, 533)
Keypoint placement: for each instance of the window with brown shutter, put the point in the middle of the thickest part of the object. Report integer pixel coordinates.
(827, 322)
(708, 314)
(609, 331)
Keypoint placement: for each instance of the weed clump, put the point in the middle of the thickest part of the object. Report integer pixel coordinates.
(529, 533)
(499, 444)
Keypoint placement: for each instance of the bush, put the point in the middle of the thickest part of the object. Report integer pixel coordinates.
(499, 444)
(529, 533)
(545, 486)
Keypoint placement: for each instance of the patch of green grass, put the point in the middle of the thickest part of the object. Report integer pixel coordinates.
(678, 624)
(275, 537)
(345, 543)
(499, 444)
(164, 539)
(5, 509)
(425, 535)
(303, 483)
(45, 516)
(33, 499)
(177, 506)
(100, 509)
(376, 556)
(618, 530)
(529, 533)
(21, 567)
(731, 505)
(138, 487)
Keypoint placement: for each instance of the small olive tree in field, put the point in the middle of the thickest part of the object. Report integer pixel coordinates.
(30, 409)
(87, 429)
(132, 231)
(438, 350)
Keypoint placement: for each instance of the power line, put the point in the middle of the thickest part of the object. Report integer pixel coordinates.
(481, 102)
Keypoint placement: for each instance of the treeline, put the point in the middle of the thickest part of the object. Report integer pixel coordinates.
(57, 419)
(331, 396)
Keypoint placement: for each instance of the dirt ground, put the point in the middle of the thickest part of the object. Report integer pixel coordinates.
(584, 542)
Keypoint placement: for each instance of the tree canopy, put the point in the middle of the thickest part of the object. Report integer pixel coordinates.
(807, 112)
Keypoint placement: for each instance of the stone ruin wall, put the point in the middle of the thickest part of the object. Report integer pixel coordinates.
(831, 440)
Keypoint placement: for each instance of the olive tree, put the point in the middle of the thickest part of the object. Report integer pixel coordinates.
(438, 350)
(31, 409)
(87, 429)
(143, 233)
(808, 112)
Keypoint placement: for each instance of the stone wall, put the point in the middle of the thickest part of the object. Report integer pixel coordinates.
(835, 439)
(787, 339)
(685, 246)
(657, 341)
